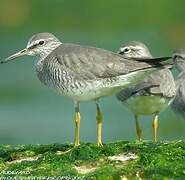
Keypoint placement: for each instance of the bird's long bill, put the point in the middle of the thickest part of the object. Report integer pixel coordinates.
(16, 55)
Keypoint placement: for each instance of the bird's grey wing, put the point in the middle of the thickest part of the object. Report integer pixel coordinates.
(159, 83)
(141, 89)
(165, 81)
(125, 94)
(149, 86)
(91, 63)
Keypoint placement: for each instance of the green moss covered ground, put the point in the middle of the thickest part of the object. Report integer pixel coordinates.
(119, 160)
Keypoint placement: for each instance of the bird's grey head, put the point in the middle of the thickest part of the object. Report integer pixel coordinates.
(40, 45)
(134, 49)
(179, 59)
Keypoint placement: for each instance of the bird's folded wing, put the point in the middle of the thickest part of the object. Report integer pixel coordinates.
(141, 89)
(93, 63)
(156, 83)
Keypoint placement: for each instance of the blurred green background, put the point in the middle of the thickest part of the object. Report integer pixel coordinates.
(31, 113)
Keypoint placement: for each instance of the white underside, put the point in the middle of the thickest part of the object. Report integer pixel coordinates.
(92, 92)
(147, 105)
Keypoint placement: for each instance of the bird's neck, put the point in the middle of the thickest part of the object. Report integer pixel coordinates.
(44, 53)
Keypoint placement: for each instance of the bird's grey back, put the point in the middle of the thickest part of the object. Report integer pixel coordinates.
(88, 63)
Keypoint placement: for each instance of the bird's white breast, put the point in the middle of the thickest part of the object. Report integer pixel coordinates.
(146, 105)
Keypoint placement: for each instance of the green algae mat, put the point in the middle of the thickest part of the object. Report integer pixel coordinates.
(118, 160)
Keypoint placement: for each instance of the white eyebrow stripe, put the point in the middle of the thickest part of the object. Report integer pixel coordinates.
(37, 42)
(130, 47)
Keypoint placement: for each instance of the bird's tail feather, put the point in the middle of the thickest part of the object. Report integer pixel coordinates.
(157, 62)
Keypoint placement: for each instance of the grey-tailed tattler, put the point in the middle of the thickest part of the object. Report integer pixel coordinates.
(85, 73)
(178, 105)
(152, 95)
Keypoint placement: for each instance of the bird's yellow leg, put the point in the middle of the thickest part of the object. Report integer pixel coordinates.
(138, 129)
(77, 124)
(154, 127)
(99, 120)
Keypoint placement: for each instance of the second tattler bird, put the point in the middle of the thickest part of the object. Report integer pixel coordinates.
(84, 73)
(152, 95)
(178, 105)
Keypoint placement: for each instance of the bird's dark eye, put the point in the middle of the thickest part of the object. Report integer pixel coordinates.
(41, 42)
(126, 50)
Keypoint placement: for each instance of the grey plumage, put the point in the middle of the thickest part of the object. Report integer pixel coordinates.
(73, 67)
(151, 86)
(134, 49)
(178, 105)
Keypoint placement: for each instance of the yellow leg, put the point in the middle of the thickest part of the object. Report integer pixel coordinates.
(154, 127)
(99, 119)
(138, 129)
(77, 124)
